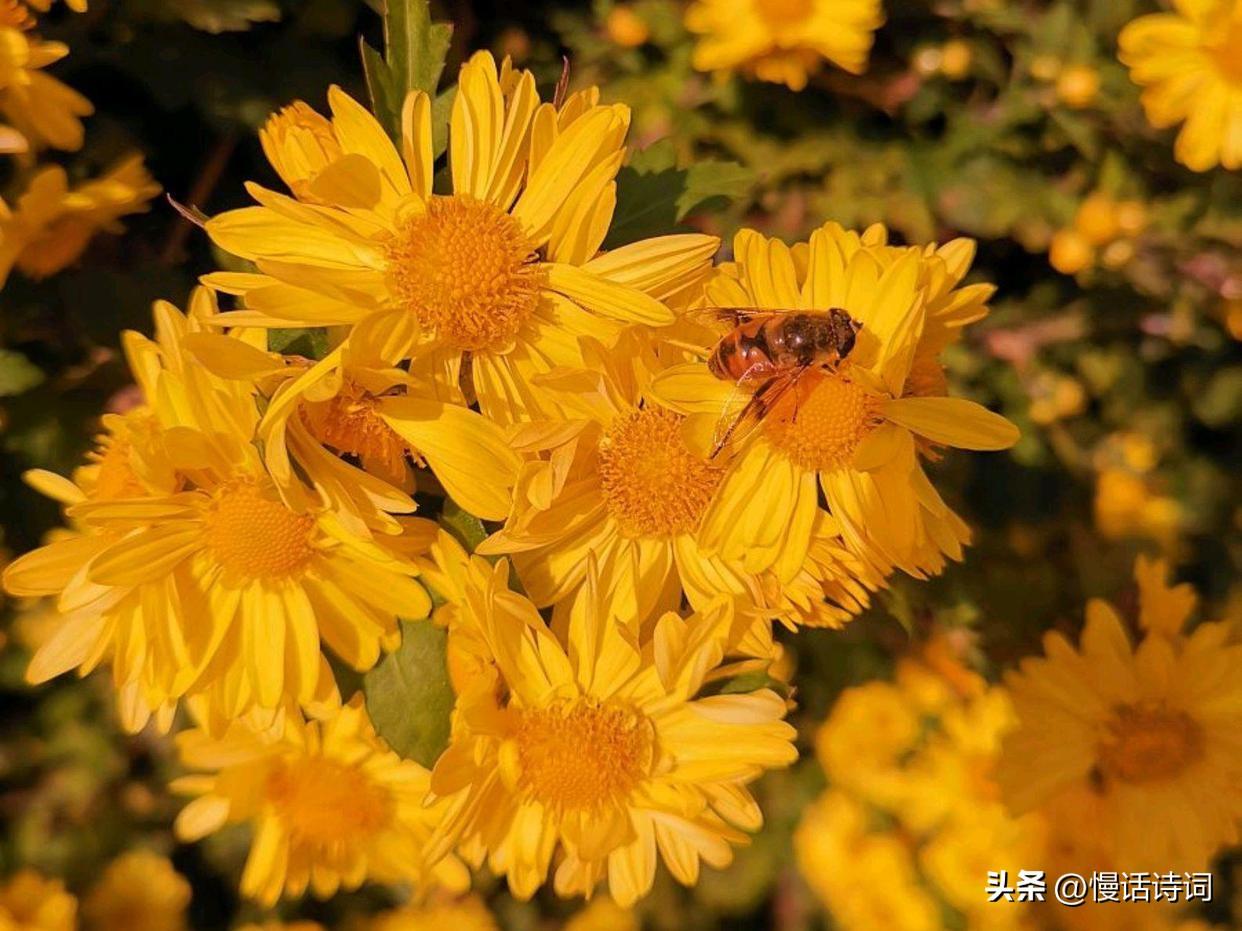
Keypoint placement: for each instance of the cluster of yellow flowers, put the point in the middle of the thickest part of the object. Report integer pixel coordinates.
(52, 222)
(481, 345)
(1186, 60)
(138, 891)
(912, 820)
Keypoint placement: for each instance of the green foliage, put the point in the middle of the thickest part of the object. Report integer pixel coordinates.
(654, 196)
(309, 342)
(413, 60)
(408, 694)
(17, 373)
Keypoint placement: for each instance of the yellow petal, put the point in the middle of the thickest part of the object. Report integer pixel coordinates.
(953, 422)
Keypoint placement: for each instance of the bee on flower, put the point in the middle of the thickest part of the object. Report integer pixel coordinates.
(621, 482)
(855, 430)
(489, 286)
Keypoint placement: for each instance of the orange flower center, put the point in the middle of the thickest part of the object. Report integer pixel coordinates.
(116, 477)
(350, 424)
(653, 484)
(581, 753)
(820, 423)
(257, 537)
(1148, 741)
(777, 13)
(1227, 50)
(467, 271)
(324, 802)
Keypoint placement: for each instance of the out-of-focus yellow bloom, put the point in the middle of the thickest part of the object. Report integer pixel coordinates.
(1097, 219)
(956, 57)
(855, 434)
(603, 914)
(1187, 63)
(331, 806)
(1147, 734)
(783, 41)
(1045, 67)
(29, 902)
(42, 109)
(1055, 397)
(273, 925)
(469, 913)
(1070, 252)
(912, 816)
(505, 270)
(1231, 313)
(138, 891)
(248, 583)
(1131, 217)
(1127, 506)
(626, 28)
(52, 224)
(595, 750)
(1078, 86)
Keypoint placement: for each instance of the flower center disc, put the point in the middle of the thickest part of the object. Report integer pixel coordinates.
(1147, 742)
(820, 423)
(257, 537)
(778, 13)
(467, 271)
(350, 424)
(653, 484)
(324, 802)
(582, 754)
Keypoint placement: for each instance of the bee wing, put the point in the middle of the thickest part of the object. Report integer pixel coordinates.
(730, 316)
(733, 430)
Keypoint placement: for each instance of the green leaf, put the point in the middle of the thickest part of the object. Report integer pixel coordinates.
(467, 528)
(654, 195)
(413, 59)
(309, 342)
(17, 373)
(408, 694)
(1220, 402)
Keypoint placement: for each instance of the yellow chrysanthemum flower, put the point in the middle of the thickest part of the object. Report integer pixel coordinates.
(1187, 61)
(1148, 735)
(29, 902)
(53, 223)
(503, 272)
(139, 891)
(39, 107)
(599, 752)
(855, 433)
(469, 913)
(603, 914)
(620, 482)
(330, 804)
(201, 579)
(912, 818)
(783, 41)
(354, 428)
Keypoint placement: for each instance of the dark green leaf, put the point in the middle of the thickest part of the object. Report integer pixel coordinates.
(413, 59)
(654, 196)
(310, 342)
(17, 373)
(408, 694)
(467, 528)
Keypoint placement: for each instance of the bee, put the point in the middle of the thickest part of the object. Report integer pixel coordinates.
(767, 352)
